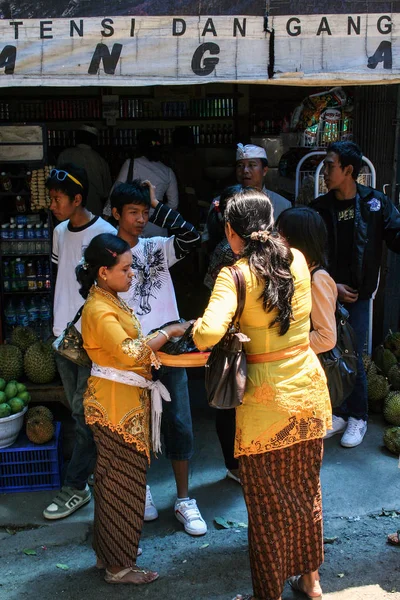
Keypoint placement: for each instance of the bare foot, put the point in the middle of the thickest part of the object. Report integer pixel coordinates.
(394, 539)
(309, 584)
(132, 575)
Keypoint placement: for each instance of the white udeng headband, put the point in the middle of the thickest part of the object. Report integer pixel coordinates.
(250, 151)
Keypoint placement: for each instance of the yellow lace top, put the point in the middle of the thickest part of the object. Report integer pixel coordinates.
(113, 338)
(286, 401)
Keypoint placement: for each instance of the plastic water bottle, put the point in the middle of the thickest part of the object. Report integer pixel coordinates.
(22, 315)
(10, 319)
(34, 315)
(45, 319)
(39, 275)
(6, 276)
(20, 274)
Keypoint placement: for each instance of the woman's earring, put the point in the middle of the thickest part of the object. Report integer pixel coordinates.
(105, 278)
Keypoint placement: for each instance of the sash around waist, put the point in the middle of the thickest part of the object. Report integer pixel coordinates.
(278, 354)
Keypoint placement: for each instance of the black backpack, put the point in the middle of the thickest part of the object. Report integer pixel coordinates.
(340, 363)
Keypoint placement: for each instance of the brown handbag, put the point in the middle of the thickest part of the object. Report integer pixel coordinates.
(226, 368)
(70, 344)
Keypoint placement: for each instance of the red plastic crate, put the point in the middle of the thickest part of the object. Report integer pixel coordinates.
(28, 467)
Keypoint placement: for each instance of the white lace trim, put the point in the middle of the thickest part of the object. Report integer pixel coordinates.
(157, 389)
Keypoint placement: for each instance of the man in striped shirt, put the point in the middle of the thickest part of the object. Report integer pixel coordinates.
(152, 297)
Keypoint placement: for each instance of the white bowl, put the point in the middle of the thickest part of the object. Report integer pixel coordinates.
(10, 428)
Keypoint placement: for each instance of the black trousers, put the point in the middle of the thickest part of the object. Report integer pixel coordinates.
(225, 423)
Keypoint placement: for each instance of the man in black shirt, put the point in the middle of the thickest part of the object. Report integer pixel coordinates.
(359, 219)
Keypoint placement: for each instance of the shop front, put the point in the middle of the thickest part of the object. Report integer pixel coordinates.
(224, 74)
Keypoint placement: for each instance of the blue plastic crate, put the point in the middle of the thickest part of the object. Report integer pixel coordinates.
(28, 467)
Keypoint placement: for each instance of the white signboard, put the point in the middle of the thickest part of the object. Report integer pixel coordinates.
(149, 50)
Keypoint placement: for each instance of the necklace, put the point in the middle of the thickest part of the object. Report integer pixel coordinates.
(116, 300)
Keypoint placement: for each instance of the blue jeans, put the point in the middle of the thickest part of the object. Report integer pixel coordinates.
(83, 459)
(356, 405)
(176, 425)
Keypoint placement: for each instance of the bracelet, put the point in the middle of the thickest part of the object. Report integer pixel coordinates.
(164, 333)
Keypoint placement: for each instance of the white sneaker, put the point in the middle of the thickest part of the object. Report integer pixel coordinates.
(150, 511)
(354, 434)
(186, 512)
(338, 426)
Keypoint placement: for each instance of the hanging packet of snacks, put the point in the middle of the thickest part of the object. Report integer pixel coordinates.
(39, 193)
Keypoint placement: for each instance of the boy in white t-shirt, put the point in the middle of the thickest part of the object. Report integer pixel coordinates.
(68, 190)
(152, 297)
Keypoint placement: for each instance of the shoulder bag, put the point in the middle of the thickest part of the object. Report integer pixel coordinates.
(340, 363)
(226, 367)
(70, 344)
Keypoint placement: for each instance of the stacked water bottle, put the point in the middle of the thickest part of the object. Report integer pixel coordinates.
(25, 234)
(30, 274)
(34, 312)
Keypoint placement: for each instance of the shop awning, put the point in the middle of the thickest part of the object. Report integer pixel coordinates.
(121, 43)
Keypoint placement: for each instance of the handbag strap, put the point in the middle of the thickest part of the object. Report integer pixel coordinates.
(129, 179)
(240, 284)
(77, 316)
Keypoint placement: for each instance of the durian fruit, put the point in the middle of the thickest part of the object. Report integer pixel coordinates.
(39, 430)
(378, 356)
(378, 388)
(394, 377)
(369, 365)
(39, 363)
(391, 439)
(11, 362)
(392, 343)
(391, 408)
(39, 411)
(388, 361)
(23, 337)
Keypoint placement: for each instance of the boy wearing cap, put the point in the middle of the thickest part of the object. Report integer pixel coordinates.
(68, 190)
(83, 155)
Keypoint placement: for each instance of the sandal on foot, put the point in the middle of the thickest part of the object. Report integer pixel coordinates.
(100, 565)
(294, 583)
(394, 538)
(119, 577)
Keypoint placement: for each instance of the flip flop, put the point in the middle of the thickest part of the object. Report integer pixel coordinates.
(119, 577)
(294, 583)
(394, 542)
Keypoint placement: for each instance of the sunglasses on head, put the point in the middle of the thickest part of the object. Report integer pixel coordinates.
(62, 175)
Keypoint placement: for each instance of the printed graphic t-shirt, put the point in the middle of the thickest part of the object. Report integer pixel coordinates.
(152, 294)
(69, 244)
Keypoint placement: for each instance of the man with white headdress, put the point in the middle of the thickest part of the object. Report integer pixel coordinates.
(83, 155)
(251, 169)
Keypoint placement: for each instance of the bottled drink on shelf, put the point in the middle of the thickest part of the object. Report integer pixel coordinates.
(5, 231)
(20, 274)
(45, 232)
(45, 318)
(20, 204)
(31, 276)
(5, 182)
(47, 274)
(20, 232)
(34, 315)
(13, 277)
(12, 231)
(30, 232)
(39, 275)
(22, 315)
(10, 317)
(28, 178)
(6, 276)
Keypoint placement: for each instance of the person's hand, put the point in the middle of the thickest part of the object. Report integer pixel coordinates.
(346, 294)
(152, 190)
(177, 329)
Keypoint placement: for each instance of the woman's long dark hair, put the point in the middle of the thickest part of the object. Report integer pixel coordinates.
(103, 251)
(250, 211)
(305, 230)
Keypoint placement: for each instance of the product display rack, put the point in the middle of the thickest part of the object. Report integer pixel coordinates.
(26, 285)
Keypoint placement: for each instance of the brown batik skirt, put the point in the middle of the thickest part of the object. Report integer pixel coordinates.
(120, 496)
(283, 497)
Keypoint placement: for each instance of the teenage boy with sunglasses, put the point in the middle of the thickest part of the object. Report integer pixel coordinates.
(68, 189)
(152, 297)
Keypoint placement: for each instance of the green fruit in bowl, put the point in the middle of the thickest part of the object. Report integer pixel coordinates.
(16, 405)
(11, 390)
(25, 396)
(3, 384)
(21, 388)
(5, 410)
(3, 397)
